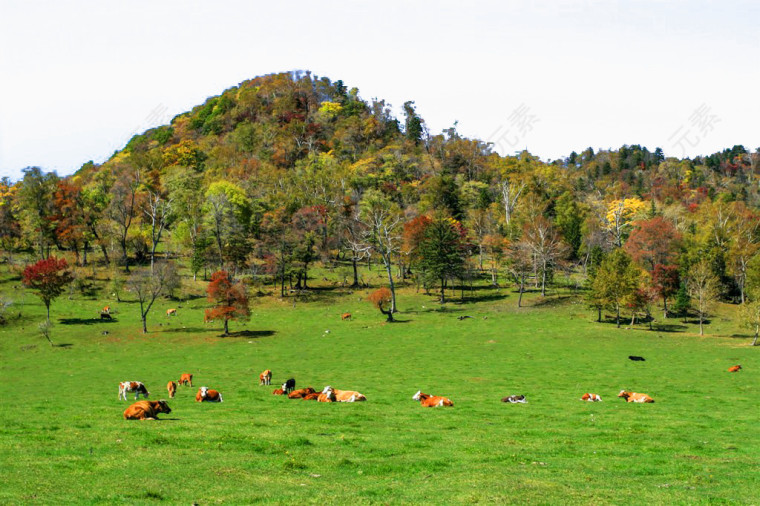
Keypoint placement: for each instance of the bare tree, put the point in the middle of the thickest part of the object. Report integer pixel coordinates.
(148, 287)
(540, 237)
(510, 194)
(383, 221)
(121, 209)
(702, 286)
(159, 211)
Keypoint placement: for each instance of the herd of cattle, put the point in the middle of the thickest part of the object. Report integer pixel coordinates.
(148, 410)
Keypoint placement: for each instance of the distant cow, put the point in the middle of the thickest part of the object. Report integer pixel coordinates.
(172, 388)
(106, 309)
(289, 386)
(431, 401)
(278, 391)
(206, 394)
(347, 395)
(132, 386)
(735, 368)
(186, 379)
(327, 395)
(171, 312)
(515, 399)
(265, 378)
(301, 393)
(591, 397)
(345, 316)
(105, 316)
(634, 397)
(636, 358)
(146, 410)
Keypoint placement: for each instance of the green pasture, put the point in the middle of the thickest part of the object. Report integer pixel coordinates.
(63, 439)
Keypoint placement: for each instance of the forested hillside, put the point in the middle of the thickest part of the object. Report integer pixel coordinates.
(288, 171)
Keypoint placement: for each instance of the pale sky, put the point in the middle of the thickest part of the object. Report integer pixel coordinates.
(79, 78)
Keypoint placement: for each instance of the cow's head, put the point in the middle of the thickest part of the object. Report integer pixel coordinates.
(163, 407)
(624, 394)
(416, 396)
(204, 392)
(328, 390)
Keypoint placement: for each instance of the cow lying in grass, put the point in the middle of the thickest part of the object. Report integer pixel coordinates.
(591, 397)
(634, 397)
(146, 410)
(278, 391)
(515, 399)
(735, 368)
(207, 395)
(431, 401)
(265, 378)
(172, 388)
(330, 394)
(301, 393)
(312, 397)
(132, 386)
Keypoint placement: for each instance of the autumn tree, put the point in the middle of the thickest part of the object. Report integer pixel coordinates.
(353, 236)
(230, 300)
(48, 278)
(703, 288)
(546, 245)
(149, 286)
(520, 259)
(616, 280)
(69, 217)
(34, 208)
(382, 219)
(382, 297)
(653, 242)
(665, 282)
(620, 214)
(123, 206)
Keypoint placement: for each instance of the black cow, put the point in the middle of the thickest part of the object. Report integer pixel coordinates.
(636, 359)
(289, 386)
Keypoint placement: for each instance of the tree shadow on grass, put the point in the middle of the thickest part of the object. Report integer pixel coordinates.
(250, 333)
(556, 301)
(668, 327)
(187, 329)
(470, 299)
(63, 345)
(84, 321)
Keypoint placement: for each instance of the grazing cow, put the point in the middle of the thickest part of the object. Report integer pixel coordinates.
(636, 358)
(634, 397)
(106, 309)
(171, 312)
(515, 399)
(591, 397)
(431, 401)
(735, 368)
(289, 386)
(146, 410)
(186, 379)
(311, 397)
(132, 386)
(278, 391)
(301, 393)
(172, 388)
(207, 318)
(345, 316)
(265, 378)
(327, 395)
(206, 394)
(105, 316)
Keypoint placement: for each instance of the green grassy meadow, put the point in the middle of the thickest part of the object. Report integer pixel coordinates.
(63, 439)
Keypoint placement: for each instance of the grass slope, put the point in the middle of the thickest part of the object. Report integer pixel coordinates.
(63, 439)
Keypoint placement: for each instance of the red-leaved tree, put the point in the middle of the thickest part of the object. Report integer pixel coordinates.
(653, 242)
(48, 278)
(230, 299)
(382, 297)
(665, 281)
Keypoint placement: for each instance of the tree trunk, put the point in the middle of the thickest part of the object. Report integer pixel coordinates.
(226, 327)
(757, 331)
(617, 315)
(522, 289)
(355, 284)
(443, 292)
(145, 324)
(388, 313)
(392, 286)
(47, 306)
(543, 280)
(123, 243)
(599, 315)
(701, 331)
(665, 307)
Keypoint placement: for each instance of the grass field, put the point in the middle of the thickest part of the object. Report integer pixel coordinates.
(63, 439)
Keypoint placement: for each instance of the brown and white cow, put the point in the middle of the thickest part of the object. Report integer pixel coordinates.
(106, 309)
(146, 410)
(265, 378)
(345, 316)
(327, 395)
(634, 397)
(515, 399)
(278, 391)
(171, 387)
(186, 379)
(431, 401)
(346, 395)
(301, 393)
(735, 368)
(206, 394)
(171, 312)
(591, 397)
(132, 386)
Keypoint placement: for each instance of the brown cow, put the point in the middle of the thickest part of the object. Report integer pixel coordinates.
(106, 309)
(591, 397)
(278, 391)
(735, 368)
(172, 388)
(345, 316)
(635, 397)
(171, 312)
(311, 397)
(186, 379)
(431, 401)
(344, 395)
(301, 393)
(265, 378)
(146, 410)
(207, 395)
(327, 395)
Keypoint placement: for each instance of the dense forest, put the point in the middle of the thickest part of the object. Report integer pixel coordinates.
(290, 171)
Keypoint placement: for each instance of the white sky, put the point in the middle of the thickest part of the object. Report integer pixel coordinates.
(79, 78)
